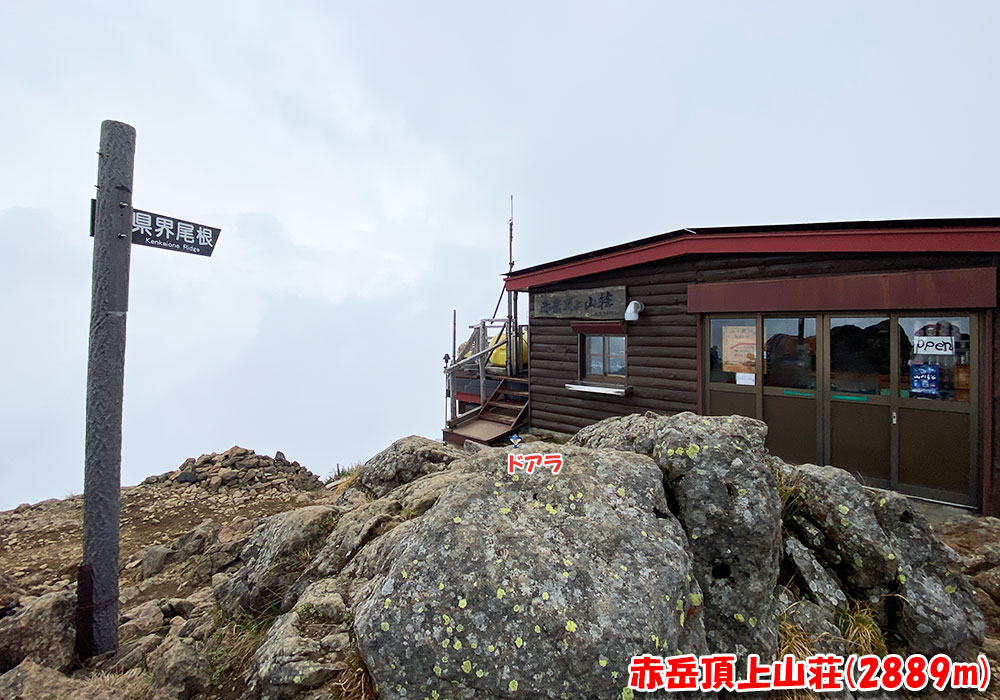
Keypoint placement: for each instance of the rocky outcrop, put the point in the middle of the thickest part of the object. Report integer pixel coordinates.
(853, 544)
(180, 667)
(935, 603)
(306, 647)
(531, 581)
(726, 498)
(274, 557)
(977, 543)
(239, 467)
(436, 573)
(404, 461)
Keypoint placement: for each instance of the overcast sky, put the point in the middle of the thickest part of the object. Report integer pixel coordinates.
(359, 159)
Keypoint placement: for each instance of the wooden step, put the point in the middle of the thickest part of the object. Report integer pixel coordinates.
(498, 418)
(479, 430)
(513, 405)
(501, 410)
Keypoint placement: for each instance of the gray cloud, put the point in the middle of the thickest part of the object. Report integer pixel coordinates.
(359, 158)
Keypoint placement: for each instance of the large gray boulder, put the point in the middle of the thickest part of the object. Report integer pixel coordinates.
(405, 460)
(360, 523)
(883, 552)
(936, 602)
(274, 557)
(854, 545)
(725, 496)
(529, 585)
(306, 647)
(42, 630)
(180, 665)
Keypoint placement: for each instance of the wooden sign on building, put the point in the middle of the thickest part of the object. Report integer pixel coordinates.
(605, 303)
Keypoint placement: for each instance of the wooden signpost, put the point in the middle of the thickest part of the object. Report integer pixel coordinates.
(114, 228)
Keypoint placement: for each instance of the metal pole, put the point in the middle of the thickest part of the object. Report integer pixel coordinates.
(510, 240)
(454, 359)
(511, 333)
(97, 614)
(518, 366)
(483, 344)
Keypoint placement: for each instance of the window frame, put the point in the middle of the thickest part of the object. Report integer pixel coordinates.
(585, 355)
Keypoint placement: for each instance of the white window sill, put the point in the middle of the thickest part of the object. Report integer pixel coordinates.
(600, 389)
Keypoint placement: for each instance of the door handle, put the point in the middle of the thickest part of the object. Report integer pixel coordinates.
(895, 418)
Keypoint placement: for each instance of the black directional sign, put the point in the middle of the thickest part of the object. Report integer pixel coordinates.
(159, 231)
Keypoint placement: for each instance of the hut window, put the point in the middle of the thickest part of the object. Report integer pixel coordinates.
(604, 355)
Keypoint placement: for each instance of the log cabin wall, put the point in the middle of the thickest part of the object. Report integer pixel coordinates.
(662, 346)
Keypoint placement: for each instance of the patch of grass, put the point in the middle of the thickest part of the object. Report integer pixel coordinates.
(859, 627)
(352, 478)
(409, 513)
(231, 648)
(793, 640)
(356, 682)
(134, 684)
(790, 491)
(295, 563)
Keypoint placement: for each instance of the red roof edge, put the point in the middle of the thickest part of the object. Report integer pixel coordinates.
(922, 239)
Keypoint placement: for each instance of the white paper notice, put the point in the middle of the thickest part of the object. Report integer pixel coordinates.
(745, 378)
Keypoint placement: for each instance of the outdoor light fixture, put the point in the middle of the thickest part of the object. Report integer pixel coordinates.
(633, 309)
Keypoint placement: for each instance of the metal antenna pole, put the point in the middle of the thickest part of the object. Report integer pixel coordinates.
(510, 253)
(97, 586)
(510, 240)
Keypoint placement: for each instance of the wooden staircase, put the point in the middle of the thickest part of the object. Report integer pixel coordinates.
(505, 410)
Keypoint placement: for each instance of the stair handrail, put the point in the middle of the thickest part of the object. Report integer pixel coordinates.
(468, 360)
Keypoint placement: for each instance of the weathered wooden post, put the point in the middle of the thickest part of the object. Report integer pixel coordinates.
(97, 585)
(115, 226)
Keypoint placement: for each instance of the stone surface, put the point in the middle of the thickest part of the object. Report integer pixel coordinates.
(179, 665)
(154, 559)
(726, 497)
(448, 576)
(855, 547)
(31, 681)
(405, 460)
(353, 530)
(306, 647)
(937, 610)
(528, 581)
(42, 631)
(821, 586)
(274, 557)
(133, 654)
(10, 594)
(140, 621)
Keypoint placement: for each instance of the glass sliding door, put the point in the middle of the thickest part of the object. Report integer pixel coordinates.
(936, 408)
(859, 435)
(790, 406)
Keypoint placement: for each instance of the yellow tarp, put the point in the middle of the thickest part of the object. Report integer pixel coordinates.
(498, 358)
